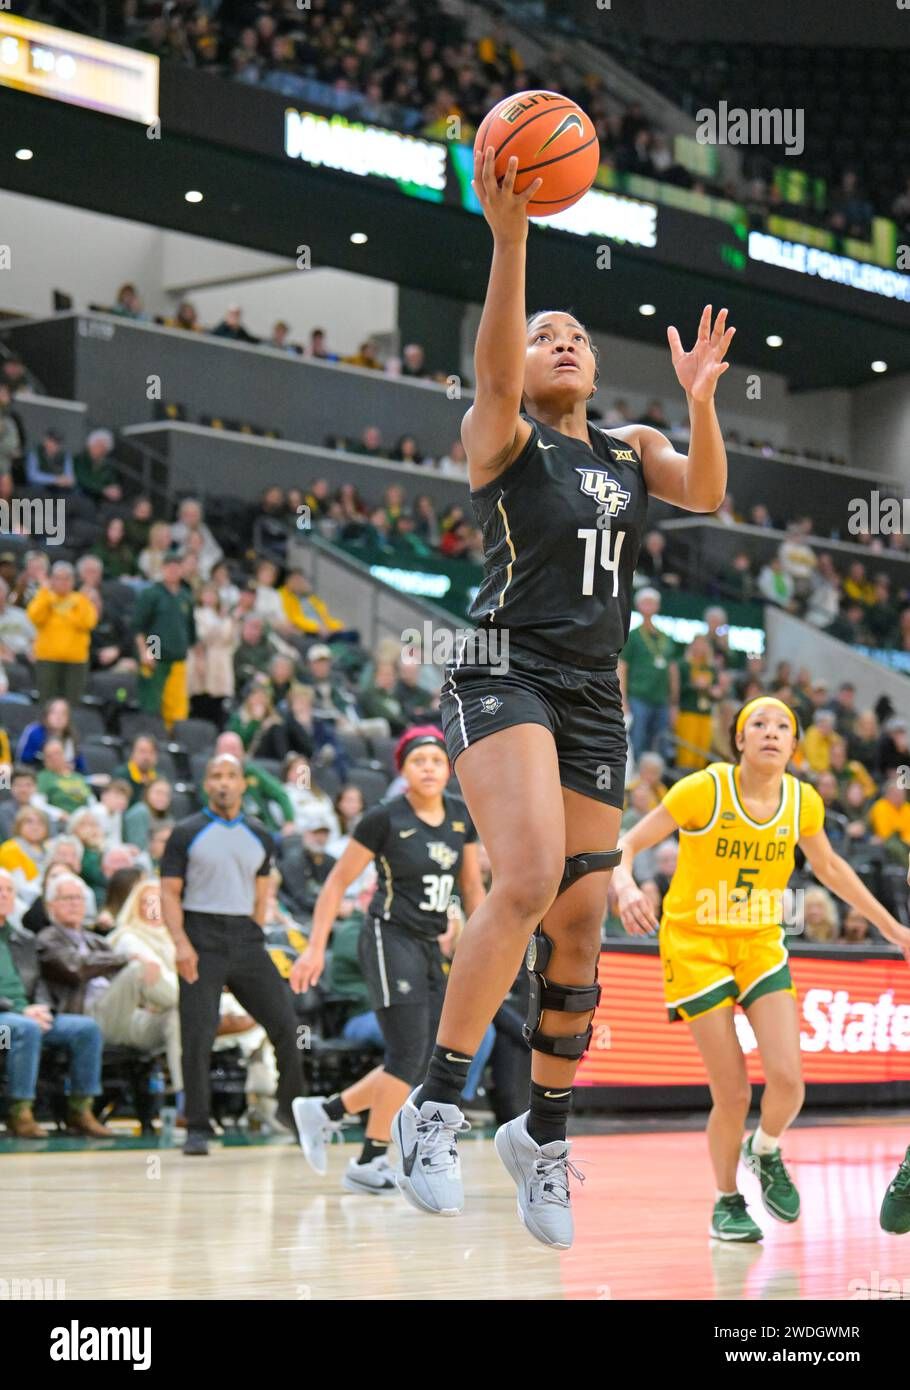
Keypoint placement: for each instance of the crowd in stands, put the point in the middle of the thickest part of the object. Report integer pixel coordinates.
(412, 362)
(157, 634)
(415, 69)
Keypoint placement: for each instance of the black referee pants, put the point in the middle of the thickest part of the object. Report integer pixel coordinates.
(232, 952)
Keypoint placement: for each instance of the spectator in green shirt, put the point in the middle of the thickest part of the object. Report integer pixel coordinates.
(165, 629)
(649, 678)
(96, 475)
(113, 550)
(59, 783)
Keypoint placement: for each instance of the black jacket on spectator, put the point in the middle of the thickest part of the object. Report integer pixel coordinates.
(303, 874)
(863, 750)
(66, 970)
(270, 537)
(36, 918)
(287, 737)
(889, 755)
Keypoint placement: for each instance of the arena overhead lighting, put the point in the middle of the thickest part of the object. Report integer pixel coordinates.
(879, 366)
(25, 154)
(359, 238)
(194, 196)
(774, 340)
(647, 310)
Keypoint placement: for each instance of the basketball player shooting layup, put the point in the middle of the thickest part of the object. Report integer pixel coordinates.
(541, 748)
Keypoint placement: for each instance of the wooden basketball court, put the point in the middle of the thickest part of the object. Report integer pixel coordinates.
(252, 1222)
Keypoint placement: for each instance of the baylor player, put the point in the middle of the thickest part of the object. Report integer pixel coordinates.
(541, 746)
(425, 848)
(722, 943)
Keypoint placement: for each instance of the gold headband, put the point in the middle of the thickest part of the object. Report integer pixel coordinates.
(765, 700)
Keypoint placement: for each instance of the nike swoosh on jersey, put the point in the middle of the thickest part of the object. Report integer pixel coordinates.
(557, 1095)
(403, 834)
(545, 446)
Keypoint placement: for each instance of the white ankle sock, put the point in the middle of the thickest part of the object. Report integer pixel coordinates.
(718, 1195)
(764, 1144)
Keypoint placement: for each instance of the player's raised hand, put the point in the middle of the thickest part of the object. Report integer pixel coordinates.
(635, 911)
(699, 369)
(307, 969)
(505, 210)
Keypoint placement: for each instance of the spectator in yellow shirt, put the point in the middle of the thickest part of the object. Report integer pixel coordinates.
(818, 740)
(64, 619)
(856, 585)
(24, 855)
(304, 610)
(890, 815)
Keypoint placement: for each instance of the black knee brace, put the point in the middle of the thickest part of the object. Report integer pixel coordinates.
(573, 999)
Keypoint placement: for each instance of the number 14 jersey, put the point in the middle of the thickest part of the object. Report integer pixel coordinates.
(562, 528)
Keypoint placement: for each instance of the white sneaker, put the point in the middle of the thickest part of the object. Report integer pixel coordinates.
(314, 1129)
(429, 1169)
(376, 1178)
(541, 1174)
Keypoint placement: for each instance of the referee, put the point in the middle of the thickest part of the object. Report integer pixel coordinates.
(214, 883)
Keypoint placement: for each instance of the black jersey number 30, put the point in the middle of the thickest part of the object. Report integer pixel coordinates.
(610, 551)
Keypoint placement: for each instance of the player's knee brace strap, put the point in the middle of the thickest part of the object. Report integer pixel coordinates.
(593, 862)
(570, 999)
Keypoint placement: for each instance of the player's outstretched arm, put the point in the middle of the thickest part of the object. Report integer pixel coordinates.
(697, 481)
(835, 873)
(490, 427)
(635, 910)
(308, 967)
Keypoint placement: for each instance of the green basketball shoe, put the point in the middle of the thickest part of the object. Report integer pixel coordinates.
(778, 1192)
(731, 1221)
(895, 1212)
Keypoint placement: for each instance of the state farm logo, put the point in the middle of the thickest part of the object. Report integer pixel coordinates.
(837, 1023)
(841, 1024)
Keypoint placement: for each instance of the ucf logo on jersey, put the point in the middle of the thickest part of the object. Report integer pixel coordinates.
(604, 489)
(442, 854)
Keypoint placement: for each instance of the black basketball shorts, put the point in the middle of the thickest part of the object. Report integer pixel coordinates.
(581, 708)
(400, 967)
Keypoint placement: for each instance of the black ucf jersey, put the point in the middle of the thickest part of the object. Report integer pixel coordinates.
(418, 864)
(562, 528)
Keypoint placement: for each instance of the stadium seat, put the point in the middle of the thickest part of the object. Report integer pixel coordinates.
(101, 758)
(373, 784)
(87, 721)
(132, 723)
(183, 802)
(194, 735)
(14, 716)
(328, 781)
(112, 687)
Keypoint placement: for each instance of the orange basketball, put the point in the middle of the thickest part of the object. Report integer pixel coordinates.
(552, 138)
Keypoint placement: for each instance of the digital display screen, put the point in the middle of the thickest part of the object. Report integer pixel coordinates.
(855, 1024)
(82, 71)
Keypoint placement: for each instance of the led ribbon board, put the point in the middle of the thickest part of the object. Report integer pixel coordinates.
(49, 62)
